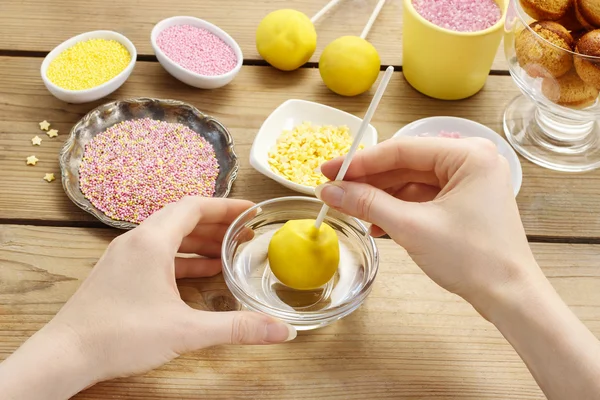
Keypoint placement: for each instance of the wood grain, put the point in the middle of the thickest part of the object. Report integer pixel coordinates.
(43, 25)
(410, 340)
(551, 203)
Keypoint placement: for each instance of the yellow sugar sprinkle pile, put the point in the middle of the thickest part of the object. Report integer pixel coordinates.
(88, 64)
(299, 152)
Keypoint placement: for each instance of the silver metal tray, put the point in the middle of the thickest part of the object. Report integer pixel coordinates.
(103, 117)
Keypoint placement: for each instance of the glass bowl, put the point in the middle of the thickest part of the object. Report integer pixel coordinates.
(555, 122)
(248, 277)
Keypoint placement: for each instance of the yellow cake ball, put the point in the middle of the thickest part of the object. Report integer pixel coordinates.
(286, 39)
(349, 65)
(303, 257)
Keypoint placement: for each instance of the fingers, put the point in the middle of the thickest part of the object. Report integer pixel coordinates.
(210, 231)
(196, 267)
(384, 180)
(413, 192)
(178, 220)
(416, 193)
(202, 247)
(370, 204)
(376, 231)
(238, 327)
(208, 242)
(420, 154)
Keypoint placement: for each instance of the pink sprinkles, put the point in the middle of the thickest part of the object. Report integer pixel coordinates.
(197, 50)
(443, 134)
(460, 15)
(136, 167)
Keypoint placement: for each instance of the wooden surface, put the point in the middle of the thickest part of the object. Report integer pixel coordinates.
(410, 340)
(42, 25)
(552, 204)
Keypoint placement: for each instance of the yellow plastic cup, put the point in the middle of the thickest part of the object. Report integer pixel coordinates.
(446, 64)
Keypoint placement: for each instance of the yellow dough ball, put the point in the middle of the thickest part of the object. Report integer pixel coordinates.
(349, 65)
(301, 256)
(286, 39)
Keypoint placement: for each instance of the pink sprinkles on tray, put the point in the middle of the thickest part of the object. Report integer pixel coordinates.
(136, 167)
(460, 15)
(197, 50)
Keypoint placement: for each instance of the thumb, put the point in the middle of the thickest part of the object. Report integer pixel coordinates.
(370, 204)
(239, 327)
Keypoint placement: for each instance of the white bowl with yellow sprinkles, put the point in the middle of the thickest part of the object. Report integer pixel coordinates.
(298, 137)
(89, 66)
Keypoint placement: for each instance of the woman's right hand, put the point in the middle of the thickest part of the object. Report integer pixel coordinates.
(449, 203)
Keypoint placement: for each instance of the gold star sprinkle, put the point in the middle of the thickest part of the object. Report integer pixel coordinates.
(32, 160)
(36, 141)
(52, 133)
(49, 177)
(44, 125)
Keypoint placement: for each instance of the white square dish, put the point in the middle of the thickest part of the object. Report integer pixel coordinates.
(292, 113)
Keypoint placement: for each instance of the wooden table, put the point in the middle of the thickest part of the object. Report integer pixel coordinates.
(411, 339)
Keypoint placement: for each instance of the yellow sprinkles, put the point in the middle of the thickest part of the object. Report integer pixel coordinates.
(49, 177)
(88, 64)
(299, 153)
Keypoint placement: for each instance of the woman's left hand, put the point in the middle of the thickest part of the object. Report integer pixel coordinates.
(128, 317)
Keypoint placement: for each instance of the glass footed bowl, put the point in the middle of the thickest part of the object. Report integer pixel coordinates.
(248, 277)
(555, 122)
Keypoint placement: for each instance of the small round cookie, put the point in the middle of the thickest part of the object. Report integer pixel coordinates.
(589, 70)
(570, 21)
(541, 59)
(546, 9)
(588, 13)
(569, 91)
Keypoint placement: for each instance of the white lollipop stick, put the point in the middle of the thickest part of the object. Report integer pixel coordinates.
(324, 10)
(372, 19)
(361, 132)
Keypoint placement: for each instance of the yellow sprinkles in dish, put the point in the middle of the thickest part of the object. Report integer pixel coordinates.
(88, 64)
(299, 153)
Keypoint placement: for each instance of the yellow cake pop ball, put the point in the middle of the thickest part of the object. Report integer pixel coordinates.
(301, 256)
(349, 65)
(286, 39)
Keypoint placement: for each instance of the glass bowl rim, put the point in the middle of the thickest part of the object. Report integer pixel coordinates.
(523, 18)
(306, 316)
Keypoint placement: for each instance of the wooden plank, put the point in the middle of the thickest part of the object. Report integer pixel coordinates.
(552, 204)
(43, 25)
(410, 340)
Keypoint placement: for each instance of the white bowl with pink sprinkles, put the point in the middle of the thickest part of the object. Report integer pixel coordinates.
(456, 128)
(196, 52)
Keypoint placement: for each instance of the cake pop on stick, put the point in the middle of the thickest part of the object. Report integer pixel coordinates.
(287, 38)
(324, 10)
(305, 254)
(372, 19)
(350, 64)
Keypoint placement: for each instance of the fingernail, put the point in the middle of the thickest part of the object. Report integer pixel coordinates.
(278, 332)
(330, 193)
(246, 235)
(318, 170)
